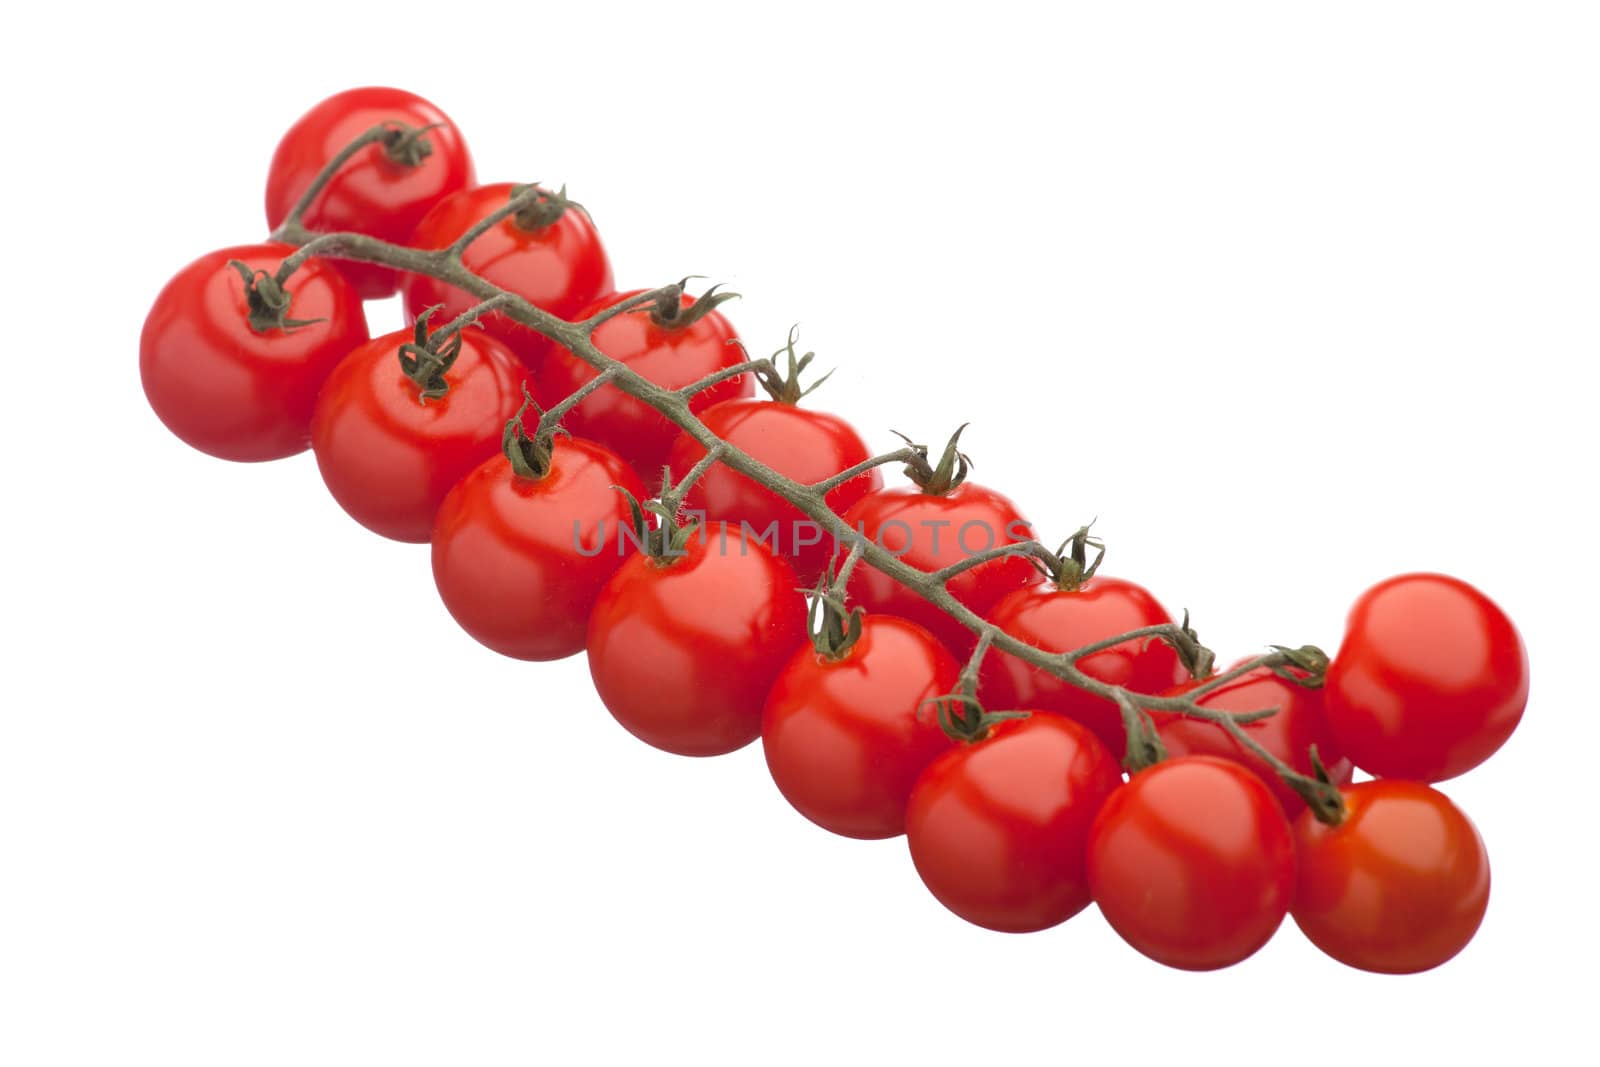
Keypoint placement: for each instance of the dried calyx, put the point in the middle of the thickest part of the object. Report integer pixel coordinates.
(948, 475)
(657, 526)
(784, 386)
(267, 300)
(835, 627)
(424, 360)
(963, 719)
(530, 454)
(405, 145)
(1071, 566)
(543, 208)
(668, 312)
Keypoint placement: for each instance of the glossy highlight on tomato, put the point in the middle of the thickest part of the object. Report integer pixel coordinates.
(1288, 735)
(1430, 680)
(559, 267)
(1400, 886)
(224, 388)
(932, 531)
(1192, 863)
(998, 828)
(387, 454)
(671, 356)
(798, 442)
(382, 192)
(519, 562)
(683, 652)
(846, 738)
(1059, 620)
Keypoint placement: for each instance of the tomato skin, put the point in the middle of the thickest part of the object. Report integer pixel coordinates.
(805, 445)
(1430, 681)
(372, 193)
(1192, 863)
(388, 458)
(559, 268)
(670, 357)
(998, 829)
(924, 530)
(683, 653)
(1288, 735)
(520, 562)
(1399, 886)
(846, 739)
(227, 390)
(1059, 620)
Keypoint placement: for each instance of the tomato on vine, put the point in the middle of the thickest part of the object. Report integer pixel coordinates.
(385, 189)
(231, 360)
(1067, 609)
(998, 826)
(1430, 680)
(1399, 886)
(674, 341)
(523, 545)
(548, 253)
(686, 640)
(808, 446)
(939, 521)
(1288, 735)
(405, 417)
(1192, 863)
(845, 729)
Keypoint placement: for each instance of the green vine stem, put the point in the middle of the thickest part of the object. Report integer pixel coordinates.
(445, 265)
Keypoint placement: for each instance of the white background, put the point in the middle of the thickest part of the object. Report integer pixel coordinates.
(1292, 297)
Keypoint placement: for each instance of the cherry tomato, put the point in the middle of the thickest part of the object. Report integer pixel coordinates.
(1059, 620)
(1288, 735)
(559, 266)
(389, 455)
(846, 738)
(385, 189)
(1192, 863)
(1399, 886)
(227, 389)
(683, 651)
(998, 828)
(671, 356)
(805, 445)
(520, 561)
(931, 531)
(1430, 680)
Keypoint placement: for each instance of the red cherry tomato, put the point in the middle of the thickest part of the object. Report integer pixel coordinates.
(846, 738)
(1192, 863)
(560, 266)
(226, 389)
(998, 828)
(805, 445)
(520, 561)
(388, 455)
(684, 652)
(1059, 620)
(670, 356)
(385, 189)
(1430, 680)
(931, 531)
(1288, 735)
(1399, 886)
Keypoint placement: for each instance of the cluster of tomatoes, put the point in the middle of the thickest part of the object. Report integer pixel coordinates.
(699, 644)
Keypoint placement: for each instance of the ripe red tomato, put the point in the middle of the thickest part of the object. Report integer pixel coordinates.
(998, 828)
(1192, 863)
(387, 454)
(1430, 680)
(222, 386)
(671, 356)
(806, 445)
(385, 189)
(931, 531)
(1059, 620)
(846, 738)
(683, 651)
(1288, 735)
(559, 266)
(520, 561)
(1399, 886)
